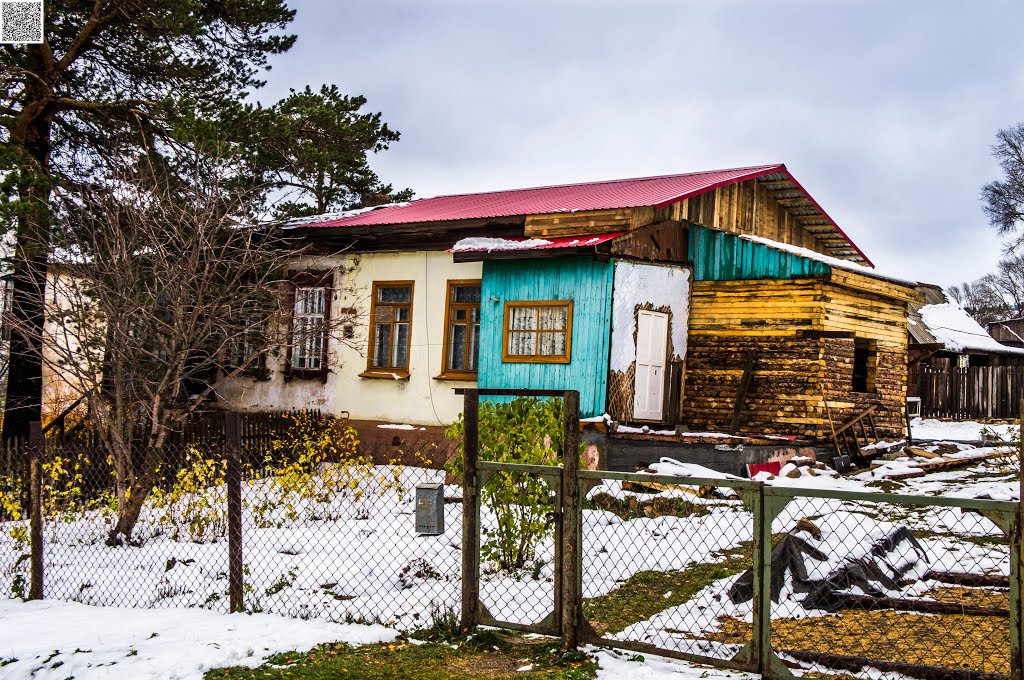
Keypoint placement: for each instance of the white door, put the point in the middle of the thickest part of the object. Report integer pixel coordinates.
(651, 340)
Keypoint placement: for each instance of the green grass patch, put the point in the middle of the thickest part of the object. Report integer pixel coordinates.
(486, 655)
(648, 593)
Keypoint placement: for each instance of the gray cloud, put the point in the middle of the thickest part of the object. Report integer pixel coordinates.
(884, 110)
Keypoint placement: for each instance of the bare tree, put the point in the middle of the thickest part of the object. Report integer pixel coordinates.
(995, 296)
(161, 291)
(1003, 200)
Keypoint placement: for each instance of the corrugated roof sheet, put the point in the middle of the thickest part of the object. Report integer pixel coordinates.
(658, 191)
(619, 193)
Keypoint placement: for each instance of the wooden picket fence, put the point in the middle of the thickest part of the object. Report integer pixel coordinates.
(971, 393)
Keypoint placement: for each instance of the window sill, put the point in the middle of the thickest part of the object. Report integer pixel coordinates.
(305, 374)
(457, 376)
(381, 374)
(542, 359)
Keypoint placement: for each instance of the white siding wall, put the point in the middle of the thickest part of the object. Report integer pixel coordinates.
(421, 399)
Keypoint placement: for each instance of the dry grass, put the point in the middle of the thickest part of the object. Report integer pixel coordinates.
(979, 643)
(980, 597)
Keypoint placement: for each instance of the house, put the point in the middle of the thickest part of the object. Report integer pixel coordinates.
(1007, 332)
(723, 301)
(943, 335)
(957, 369)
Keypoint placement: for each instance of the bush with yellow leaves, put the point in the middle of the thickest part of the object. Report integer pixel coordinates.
(319, 476)
(195, 507)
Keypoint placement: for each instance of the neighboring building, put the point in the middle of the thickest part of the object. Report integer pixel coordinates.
(665, 301)
(943, 335)
(1007, 332)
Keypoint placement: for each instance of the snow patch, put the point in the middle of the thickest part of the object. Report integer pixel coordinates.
(831, 261)
(68, 639)
(478, 243)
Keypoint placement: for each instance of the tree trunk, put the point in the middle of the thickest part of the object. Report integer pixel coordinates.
(24, 402)
(130, 508)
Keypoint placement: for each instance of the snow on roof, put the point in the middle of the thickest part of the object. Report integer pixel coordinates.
(481, 244)
(958, 331)
(831, 261)
(338, 215)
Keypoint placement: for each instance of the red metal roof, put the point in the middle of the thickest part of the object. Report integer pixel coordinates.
(620, 193)
(658, 191)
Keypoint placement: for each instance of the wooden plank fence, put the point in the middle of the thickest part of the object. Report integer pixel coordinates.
(971, 393)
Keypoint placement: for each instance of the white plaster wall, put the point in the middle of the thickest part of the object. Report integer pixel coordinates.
(636, 284)
(420, 400)
(61, 345)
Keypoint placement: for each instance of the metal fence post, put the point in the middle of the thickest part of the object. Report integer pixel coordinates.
(35, 453)
(572, 595)
(233, 446)
(470, 499)
(762, 602)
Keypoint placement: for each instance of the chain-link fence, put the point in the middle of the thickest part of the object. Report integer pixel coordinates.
(904, 585)
(728, 572)
(816, 581)
(296, 524)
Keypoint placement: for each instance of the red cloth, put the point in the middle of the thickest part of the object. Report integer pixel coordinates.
(773, 467)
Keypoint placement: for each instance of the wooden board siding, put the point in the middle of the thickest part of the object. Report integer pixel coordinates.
(791, 325)
(586, 222)
(741, 208)
(747, 208)
(718, 256)
(863, 314)
(583, 280)
(756, 308)
(665, 241)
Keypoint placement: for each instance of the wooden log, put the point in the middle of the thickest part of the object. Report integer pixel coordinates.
(868, 602)
(969, 580)
(858, 663)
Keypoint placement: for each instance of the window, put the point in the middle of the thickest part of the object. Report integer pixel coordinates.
(390, 328)
(864, 359)
(311, 311)
(538, 332)
(462, 330)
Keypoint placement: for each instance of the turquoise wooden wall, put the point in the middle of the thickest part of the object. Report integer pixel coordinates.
(718, 256)
(580, 279)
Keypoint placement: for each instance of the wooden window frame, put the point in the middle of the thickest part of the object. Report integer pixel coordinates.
(379, 371)
(310, 279)
(446, 373)
(566, 358)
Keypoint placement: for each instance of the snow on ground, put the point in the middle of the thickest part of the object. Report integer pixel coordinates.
(957, 430)
(56, 640)
(617, 664)
(343, 561)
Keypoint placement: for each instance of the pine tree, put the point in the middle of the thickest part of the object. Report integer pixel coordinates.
(112, 79)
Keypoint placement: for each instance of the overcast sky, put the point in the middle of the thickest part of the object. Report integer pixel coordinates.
(884, 110)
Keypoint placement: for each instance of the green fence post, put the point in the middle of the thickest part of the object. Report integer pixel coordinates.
(762, 602)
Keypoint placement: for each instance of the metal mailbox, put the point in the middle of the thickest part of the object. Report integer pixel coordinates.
(429, 509)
